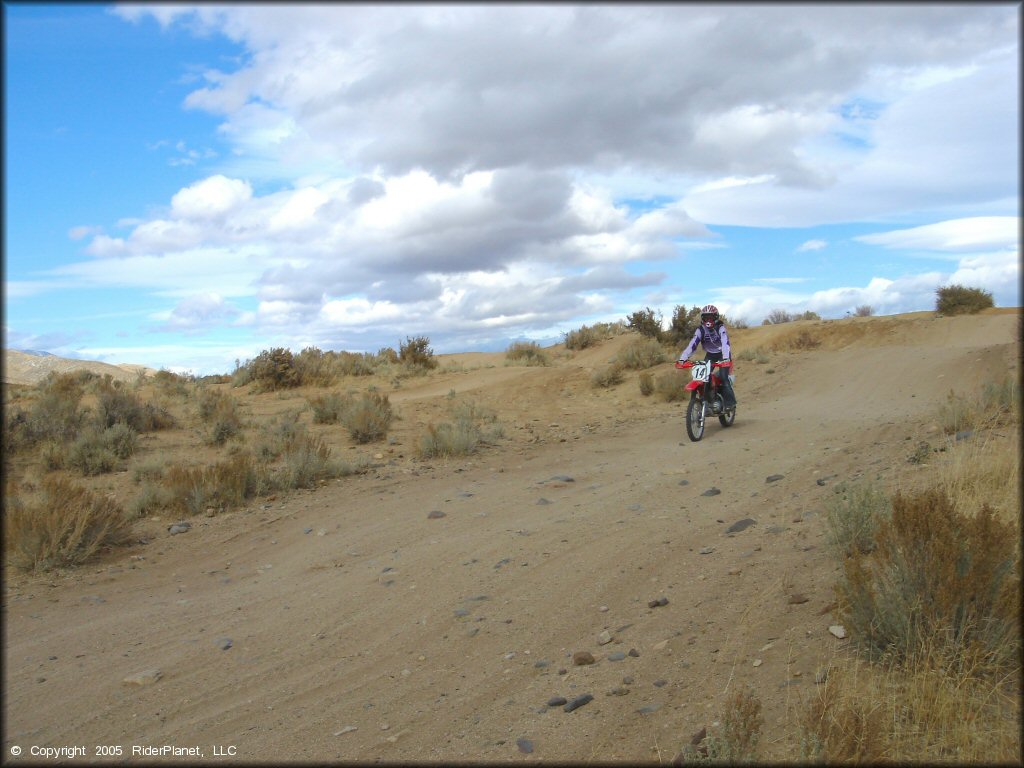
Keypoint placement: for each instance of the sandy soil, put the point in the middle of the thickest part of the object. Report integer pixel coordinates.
(362, 628)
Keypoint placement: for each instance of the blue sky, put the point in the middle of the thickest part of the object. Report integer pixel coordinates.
(189, 185)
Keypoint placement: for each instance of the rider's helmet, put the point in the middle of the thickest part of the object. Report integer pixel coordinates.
(709, 315)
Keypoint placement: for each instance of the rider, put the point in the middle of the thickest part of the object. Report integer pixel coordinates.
(712, 335)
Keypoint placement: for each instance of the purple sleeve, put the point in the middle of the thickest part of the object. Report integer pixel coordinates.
(726, 349)
(692, 345)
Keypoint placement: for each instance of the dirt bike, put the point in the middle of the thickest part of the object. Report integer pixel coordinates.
(705, 397)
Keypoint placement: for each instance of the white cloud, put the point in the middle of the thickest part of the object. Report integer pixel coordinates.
(978, 232)
(209, 198)
(812, 245)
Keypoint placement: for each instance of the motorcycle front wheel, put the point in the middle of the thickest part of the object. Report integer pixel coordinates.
(695, 418)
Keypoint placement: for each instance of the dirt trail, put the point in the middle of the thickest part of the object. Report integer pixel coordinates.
(363, 629)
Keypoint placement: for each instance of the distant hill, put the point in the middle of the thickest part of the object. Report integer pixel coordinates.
(30, 367)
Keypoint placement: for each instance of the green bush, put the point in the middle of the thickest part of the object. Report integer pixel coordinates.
(937, 578)
(958, 300)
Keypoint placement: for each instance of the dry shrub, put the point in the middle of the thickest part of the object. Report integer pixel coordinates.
(640, 354)
(958, 300)
(853, 517)
(671, 386)
(315, 368)
(116, 405)
(937, 578)
(646, 384)
(416, 353)
(526, 352)
(271, 370)
(607, 376)
(95, 452)
(590, 335)
(66, 525)
(361, 364)
(307, 461)
(55, 414)
(220, 412)
(192, 490)
(327, 409)
(864, 310)
(471, 427)
(368, 418)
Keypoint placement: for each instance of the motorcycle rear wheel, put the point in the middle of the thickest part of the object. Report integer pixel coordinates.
(695, 418)
(726, 418)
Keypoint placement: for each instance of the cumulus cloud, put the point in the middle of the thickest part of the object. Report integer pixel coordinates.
(479, 170)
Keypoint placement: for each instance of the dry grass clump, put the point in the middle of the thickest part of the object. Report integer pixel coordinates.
(65, 524)
(640, 354)
(934, 711)
(735, 739)
(997, 402)
(527, 353)
(755, 355)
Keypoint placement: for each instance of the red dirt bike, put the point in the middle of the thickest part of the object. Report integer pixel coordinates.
(705, 397)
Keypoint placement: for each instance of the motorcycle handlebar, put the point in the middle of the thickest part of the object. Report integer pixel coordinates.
(689, 364)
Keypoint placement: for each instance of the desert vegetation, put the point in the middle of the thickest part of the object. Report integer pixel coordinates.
(959, 300)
